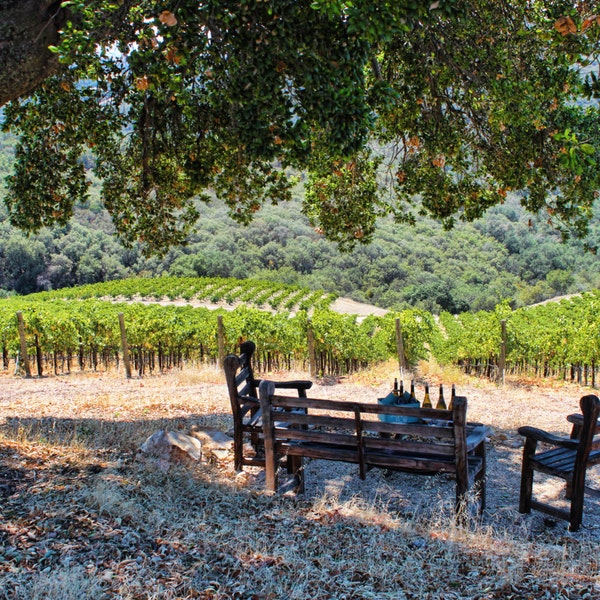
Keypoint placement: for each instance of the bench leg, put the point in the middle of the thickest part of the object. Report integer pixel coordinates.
(576, 516)
(296, 468)
(271, 471)
(462, 487)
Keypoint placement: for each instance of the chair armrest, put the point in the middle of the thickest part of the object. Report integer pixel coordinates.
(577, 420)
(290, 385)
(548, 438)
(293, 385)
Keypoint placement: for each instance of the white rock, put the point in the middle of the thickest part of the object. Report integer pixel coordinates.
(169, 447)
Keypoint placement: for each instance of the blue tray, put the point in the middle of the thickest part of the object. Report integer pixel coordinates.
(391, 400)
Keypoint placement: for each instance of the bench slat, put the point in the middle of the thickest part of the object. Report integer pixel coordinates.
(409, 445)
(373, 427)
(312, 404)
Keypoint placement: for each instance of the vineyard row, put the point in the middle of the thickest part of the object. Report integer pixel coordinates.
(256, 293)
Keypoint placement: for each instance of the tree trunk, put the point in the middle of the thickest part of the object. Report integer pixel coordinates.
(27, 28)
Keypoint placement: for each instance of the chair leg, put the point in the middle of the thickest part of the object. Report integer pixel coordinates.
(482, 495)
(238, 452)
(577, 490)
(569, 491)
(480, 478)
(255, 438)
(576, 512)
(575, 521)
(527, 476)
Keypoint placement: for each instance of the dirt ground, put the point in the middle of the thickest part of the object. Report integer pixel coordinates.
(344, 306)
(184, 400)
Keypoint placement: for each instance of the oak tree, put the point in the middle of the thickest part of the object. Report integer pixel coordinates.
(402, 107)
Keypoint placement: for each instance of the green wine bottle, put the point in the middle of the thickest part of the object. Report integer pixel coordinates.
(452, 396)
(441, 403)
(413, 398)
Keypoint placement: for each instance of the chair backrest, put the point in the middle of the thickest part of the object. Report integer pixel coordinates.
(590, 409)
(240, 378)
(245, 406)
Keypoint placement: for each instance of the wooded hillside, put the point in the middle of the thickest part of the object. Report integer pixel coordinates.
(505, 255)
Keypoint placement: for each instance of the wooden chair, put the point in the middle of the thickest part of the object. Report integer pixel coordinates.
(245, 406)
(569, 459)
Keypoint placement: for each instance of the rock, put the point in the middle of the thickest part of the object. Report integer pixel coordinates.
(214, 442)
(165, 448)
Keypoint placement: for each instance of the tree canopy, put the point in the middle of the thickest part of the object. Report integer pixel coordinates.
(402, 107)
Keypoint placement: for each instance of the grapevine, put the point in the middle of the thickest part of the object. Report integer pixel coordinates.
(80, 326)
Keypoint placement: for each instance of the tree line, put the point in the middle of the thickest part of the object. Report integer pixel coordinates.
(506, 255)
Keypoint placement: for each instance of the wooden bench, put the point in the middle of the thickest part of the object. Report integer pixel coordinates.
(569, 459)
(436, 441)
(245, 406)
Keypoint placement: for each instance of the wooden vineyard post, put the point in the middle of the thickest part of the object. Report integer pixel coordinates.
(124, 346)
(221, 340)
(24, 356)
(312, 359)
(38, 356)
(400, 349)
(502, 360)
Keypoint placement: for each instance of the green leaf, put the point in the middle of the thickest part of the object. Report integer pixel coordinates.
(587, 148)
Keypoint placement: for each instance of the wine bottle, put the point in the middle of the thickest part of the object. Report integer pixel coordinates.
(396, 390)
(441, 403)
(401, 392)
(427, 399)
(413, 398)
(452, 396)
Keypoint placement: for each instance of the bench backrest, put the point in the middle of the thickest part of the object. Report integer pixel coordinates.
(439, 437)
(403, 438)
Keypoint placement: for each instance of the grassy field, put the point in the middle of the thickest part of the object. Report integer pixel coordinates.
(81, 518)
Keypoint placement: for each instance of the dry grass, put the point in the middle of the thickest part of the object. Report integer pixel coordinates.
(80, 519)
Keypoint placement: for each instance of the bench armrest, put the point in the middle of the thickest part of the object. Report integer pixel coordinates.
(290, 385)
(476, 437)
(548, 438)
